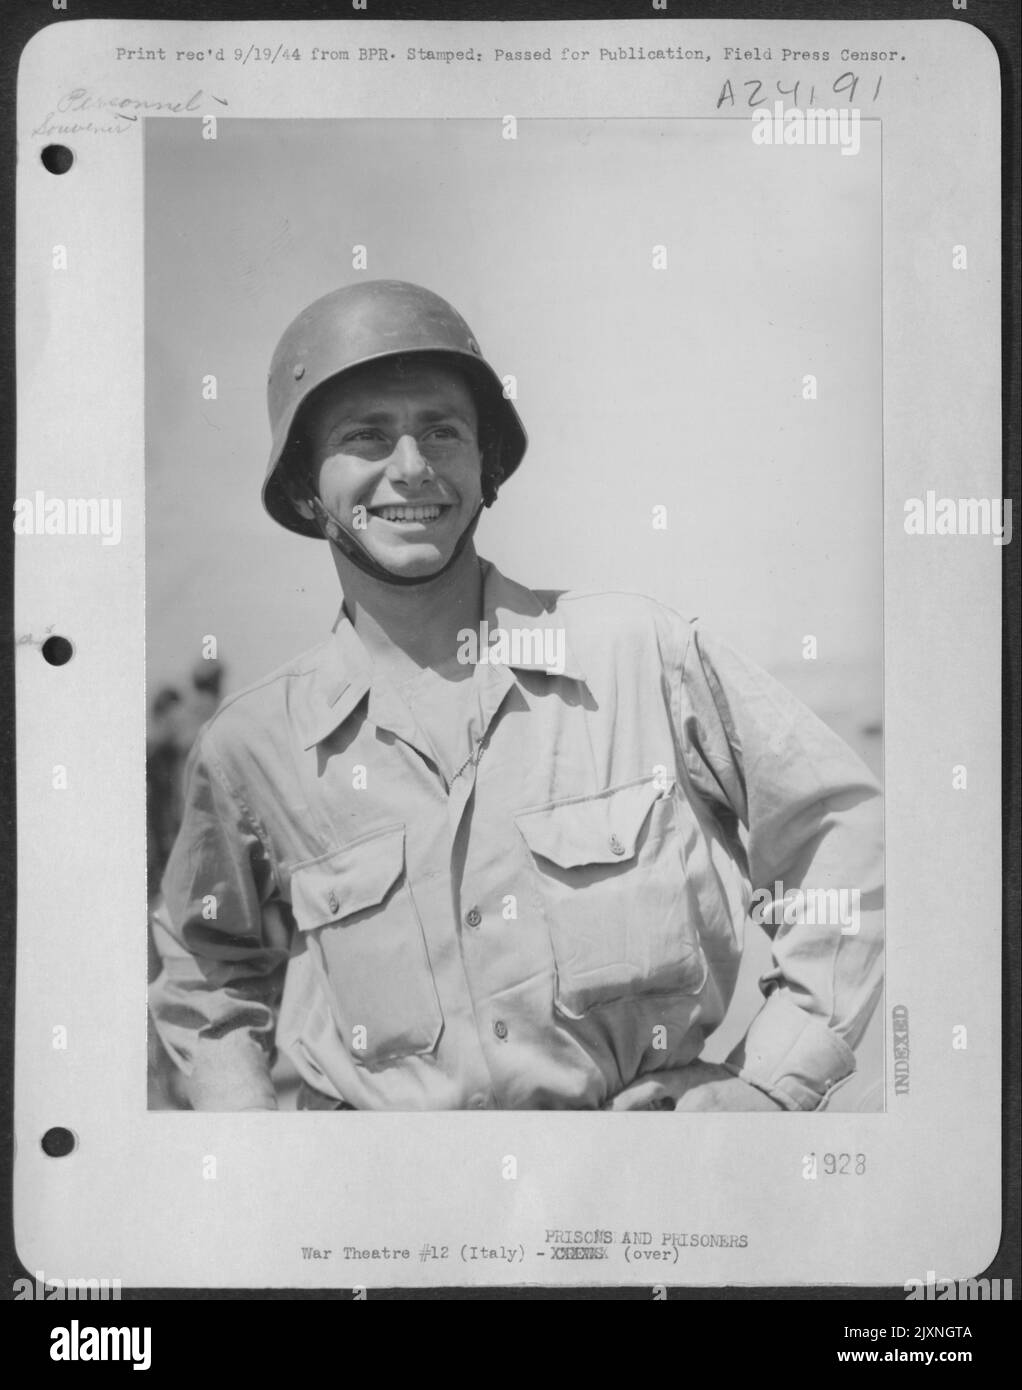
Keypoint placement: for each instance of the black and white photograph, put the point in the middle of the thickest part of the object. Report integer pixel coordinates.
(512, 555)
(504, 835)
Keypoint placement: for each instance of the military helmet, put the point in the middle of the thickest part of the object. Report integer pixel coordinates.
(370, 322)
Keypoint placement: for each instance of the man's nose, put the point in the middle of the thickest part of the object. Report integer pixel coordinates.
(407, 462)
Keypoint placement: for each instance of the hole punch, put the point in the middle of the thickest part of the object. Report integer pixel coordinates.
(58, 651)
(59, 1142)
(57, 158)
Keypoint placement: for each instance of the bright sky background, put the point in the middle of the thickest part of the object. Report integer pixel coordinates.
(679, 387)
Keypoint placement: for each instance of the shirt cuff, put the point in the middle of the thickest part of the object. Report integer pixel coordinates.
(792, 1056)
(231, 1073)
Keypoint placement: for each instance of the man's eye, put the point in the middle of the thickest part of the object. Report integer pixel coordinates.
(443, 432)
(367, 433)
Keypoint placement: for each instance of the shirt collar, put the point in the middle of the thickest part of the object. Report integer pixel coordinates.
(536, 640)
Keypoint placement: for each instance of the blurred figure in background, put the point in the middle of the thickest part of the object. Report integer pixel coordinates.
(174, 725)
(163, 800)
(203, 698)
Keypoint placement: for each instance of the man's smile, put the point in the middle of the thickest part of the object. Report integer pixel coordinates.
(403, 514)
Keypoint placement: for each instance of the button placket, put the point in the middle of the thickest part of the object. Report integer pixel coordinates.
(458, 794)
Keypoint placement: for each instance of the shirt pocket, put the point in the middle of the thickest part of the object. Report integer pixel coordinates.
(611, 882)
(356, 911)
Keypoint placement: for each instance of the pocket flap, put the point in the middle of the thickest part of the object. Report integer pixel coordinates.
(348, 879)
(602, 829)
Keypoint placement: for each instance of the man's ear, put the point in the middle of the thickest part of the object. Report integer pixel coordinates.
(492, 477)
(297, 484)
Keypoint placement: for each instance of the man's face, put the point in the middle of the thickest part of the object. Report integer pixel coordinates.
(399, 439)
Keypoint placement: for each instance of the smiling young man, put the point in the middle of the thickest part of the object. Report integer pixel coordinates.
(512, 881)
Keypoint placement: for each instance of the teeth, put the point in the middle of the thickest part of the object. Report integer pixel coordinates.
(429, 513)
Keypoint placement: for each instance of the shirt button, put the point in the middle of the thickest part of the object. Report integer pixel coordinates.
(473, 917)
(500, 1028)
(616, 847)
(332, 902)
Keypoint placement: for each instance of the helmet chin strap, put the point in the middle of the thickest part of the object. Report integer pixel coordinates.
(352, 550)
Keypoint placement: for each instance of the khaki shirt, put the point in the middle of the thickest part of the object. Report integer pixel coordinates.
(561, 922)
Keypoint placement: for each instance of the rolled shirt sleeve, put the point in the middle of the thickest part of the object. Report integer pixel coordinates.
(813, 815)
(223, 940)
